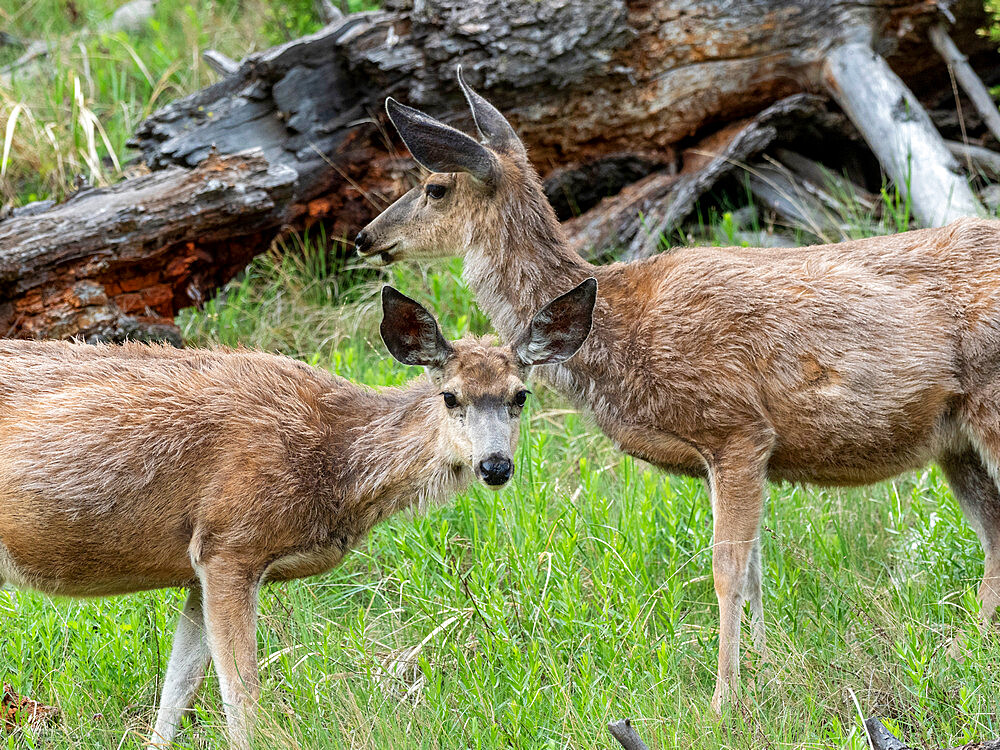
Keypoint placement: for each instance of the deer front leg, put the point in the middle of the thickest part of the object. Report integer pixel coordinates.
(737, 483)
(231, 621)
(189, 657)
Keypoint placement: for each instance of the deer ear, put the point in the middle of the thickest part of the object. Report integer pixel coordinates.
(439, 147)
(492, 126)
(411, 334)
(559, 329)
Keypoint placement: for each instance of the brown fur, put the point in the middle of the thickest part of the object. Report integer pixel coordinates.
(836, 364)
(132, 467)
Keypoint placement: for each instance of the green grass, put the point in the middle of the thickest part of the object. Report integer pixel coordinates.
(73, 114)
(524, 619)
(532, 617)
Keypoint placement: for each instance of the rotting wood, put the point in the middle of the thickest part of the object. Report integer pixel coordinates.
(118, 262)
(580, 80)
(635, 219)
(881, 738)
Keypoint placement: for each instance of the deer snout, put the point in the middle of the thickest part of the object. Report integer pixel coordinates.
(363, 241)
(495, 470)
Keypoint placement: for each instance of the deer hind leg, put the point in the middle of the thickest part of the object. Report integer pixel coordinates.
(753, 594)
(737, 483)
(974, 482)
(189, 659)
(231, 622)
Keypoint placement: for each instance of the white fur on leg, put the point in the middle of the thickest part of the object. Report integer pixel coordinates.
(189, 659)
(753, 594)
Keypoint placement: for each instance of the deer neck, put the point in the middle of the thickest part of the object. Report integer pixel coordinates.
(400, 455)
(519, 261)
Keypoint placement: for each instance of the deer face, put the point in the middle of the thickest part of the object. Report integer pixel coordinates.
(465, 189)
(434, 219)
(481, 385)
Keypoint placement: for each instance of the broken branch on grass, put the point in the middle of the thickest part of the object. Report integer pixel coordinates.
(625, 733)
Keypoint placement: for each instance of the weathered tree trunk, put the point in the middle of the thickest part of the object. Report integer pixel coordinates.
(604, 92)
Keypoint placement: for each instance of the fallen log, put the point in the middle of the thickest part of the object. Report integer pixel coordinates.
(900, 132)
(119, 262)
(611, 98)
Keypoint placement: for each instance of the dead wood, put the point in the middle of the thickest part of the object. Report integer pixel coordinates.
(632, 110)
(625, 733)
(634, 220)
(967, 78)
(900, 133)
(119, 262)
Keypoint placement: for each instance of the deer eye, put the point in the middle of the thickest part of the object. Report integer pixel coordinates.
(436, 191)
(520, 397)
(449, 400)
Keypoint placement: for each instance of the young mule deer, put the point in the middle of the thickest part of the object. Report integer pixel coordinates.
(125, 468)
(837, 364)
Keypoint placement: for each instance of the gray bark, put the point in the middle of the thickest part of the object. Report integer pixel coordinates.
(627, 737)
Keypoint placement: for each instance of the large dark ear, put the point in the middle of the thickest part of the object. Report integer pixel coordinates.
(559, 328)
(492, 125)
(439, 147)
(410, 332)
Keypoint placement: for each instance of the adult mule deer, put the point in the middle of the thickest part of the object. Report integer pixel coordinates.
(131, 467)
(836, 364)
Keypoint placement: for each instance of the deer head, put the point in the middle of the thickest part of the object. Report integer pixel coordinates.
(472, 185)
(482, 385)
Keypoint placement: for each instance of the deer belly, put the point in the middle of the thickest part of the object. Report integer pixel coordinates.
(859, 441)
(84, 553)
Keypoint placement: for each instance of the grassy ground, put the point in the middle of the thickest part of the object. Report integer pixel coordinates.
(529, 618)
(524, 619)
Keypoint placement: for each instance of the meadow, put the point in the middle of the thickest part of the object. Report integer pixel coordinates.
(527, 618)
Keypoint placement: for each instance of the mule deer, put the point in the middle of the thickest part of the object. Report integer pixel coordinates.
(836, 364)
(125, 468)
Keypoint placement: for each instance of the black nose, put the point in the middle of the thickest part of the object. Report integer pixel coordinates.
(362, 241)
(496, 470)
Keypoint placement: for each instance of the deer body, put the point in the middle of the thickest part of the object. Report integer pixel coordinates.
(837, 364)
(132, 467)
(212, 453)
(847, 361)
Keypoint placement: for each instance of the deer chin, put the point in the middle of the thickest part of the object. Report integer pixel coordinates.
(380, 258)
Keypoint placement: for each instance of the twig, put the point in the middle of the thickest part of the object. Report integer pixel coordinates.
(218, 62)
(986, 160)
(329, 12)
(625, 733)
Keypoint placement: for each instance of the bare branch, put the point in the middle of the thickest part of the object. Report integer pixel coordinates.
(625, 733)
